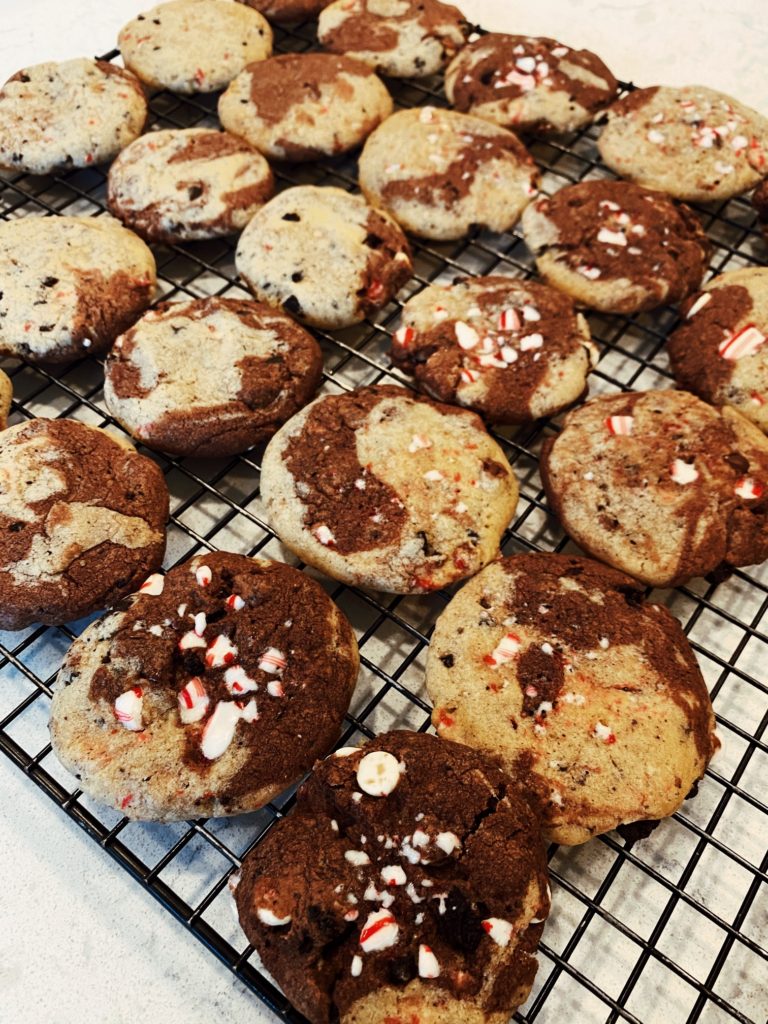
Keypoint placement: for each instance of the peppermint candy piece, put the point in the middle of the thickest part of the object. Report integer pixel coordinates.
(190, 640)
(608, 237)
(379, 932)
(221, 652)
(324, 535)
(193, 701)
(153, 585)
(237, 680)
(393, 874)
(269, 918)
(378, 773)
(359, 858)
(466, 336)
(699, 304)
(531, 341)
(509, 320)
(743, 343)
(428, 964)
(356, 967)
(748, 488)
(419, 441)
(203, 575)
(683, 472)
(404, 336)
(235, 603)
(447, 842)
(272, 661)
(498, 929)
(200, 623)
(220, 728)
(620, 425)
(604, 733)
(128, 709)
(275, 688)
(504, 651)
(469, 376)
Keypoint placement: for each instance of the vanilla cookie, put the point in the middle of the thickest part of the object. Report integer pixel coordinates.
(69, 286)
(555, 665)
(399, 38)
(381, 488)
(719, 352)
(286, 12)
(409, 884)
(660, 485)
(442, 174)
(692, 142)
(509, 349)
(529, 84)
(6, 396)
(82, 521)
(760, 203)
(208, 692)
(325, 256)
(58, 116)
(615, 246)
(300, 106)
(179, 185)
(210, 377)
(191, 46)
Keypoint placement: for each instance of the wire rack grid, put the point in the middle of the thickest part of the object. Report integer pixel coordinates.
(673, 928)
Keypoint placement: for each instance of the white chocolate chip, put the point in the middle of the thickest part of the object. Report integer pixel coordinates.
(378, 773)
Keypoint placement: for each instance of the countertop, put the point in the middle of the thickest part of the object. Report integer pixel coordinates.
(79, 940)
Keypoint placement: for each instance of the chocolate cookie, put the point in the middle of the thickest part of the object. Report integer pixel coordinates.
(191, 46)
(69, 285)
(441, 174)
(208, 692)
(381, 488)
(529, 84)
(179, 185)
(82, 521)
(719, 351)
(324, 255)
(556, 665)
(660, 485)
(511, 350)
(408, 884)
(692, 142)
(300, 106)
(55, 117)
(286, 12)
(617, 247)
(210, 377)
(399, 38)
(760, 203)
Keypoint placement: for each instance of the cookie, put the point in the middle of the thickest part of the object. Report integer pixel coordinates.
(509, 349)
(324, 256)
(287, 12)
(408, 884)
(692, 142)
(210, 377)
(6, 396)
(660, 485)
(719, 351)
(58, 116)
(208, 692)
(69, 285)
(82, 521)
(443, 174)
(556, 665)
(760, 203)
(191, 46)
(300, 106)
(180, 185)
(399, 38)
(529, 84)
(384, 489)
(615, 246)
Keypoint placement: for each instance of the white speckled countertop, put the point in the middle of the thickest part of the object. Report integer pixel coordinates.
(79, 940)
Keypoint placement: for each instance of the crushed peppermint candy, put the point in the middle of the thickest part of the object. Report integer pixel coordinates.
(608, 237)
(433, 475)
(221, 652)
(498, 929)
(683, 472)
(268, 917)
(203, 575)
(699, 304)
(394, 875)
(655, 136)
(620, 425)
(275, 688)
(404, 336)
(128, 709)
(447, 842)
(324, 535)
(153, 585)
(748, 488)
(379, 932)
(356, 967)
(509, 320)
(220, 728)
(743, 343)
(604, 733)
(504, 651)
(272, 661)
(466, 336)
(191, 639)
(419, 441)
(193, 701)
(200, 623)
(428, 964)
(531, 341)
(359, 858)
(378, 773)
(237, 680)
(589, 271)
(235, 602)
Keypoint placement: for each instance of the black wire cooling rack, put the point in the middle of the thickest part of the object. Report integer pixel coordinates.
(673, 928)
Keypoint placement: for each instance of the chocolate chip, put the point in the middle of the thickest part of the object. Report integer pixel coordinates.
(292, 304)
(297, 276)
(737, 461)
(194, 192)
(291, 216)
(49, 282)
(402, 970)
(425, 543)
(15, 527)
(487, 77)
(45, 328)
(193, 663)
(460, 925)
(634, 830)
(448, 660)
(373, 241)
(23, 78)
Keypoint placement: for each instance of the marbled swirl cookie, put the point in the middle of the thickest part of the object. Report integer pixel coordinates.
(180, 185)
(399, 38)
(285, 12)
(660, 485)
(692, 142)
(210, 377)
(615, 246)
(529, 84)
(58, 116)
(442, 174)
(82, 521)
(381, 488)
(555, 665)
(300, 106)
(408, 885)
(69, 286)
(512, 350)
(208, 692)
(191, 46)
(323, 255)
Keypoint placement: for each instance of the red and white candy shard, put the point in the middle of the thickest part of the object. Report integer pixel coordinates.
(509, 320)
(428, 965)
(203, 575)
(379, 932)
(193, 701)
(356, 968)
(200, 623)
(404, 336)
(275, 688)
(620, 425)
(447, 842)
(699, 304)
(220, 727)
(153, 585)
(609, 237)
(393, 874)
(466, 336)
(683, 472)
(378, 773)
(748, 488)
(743, 343)
(191, 639)
(469, 376)
(221, 652)
(235, 602)
(499, 930)
(604, 733)
(272, 661)
(504, 651)
(237, 680)
(531, 341)
(128, 709)
(324, 535)
(358, 858)
(270, 918)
